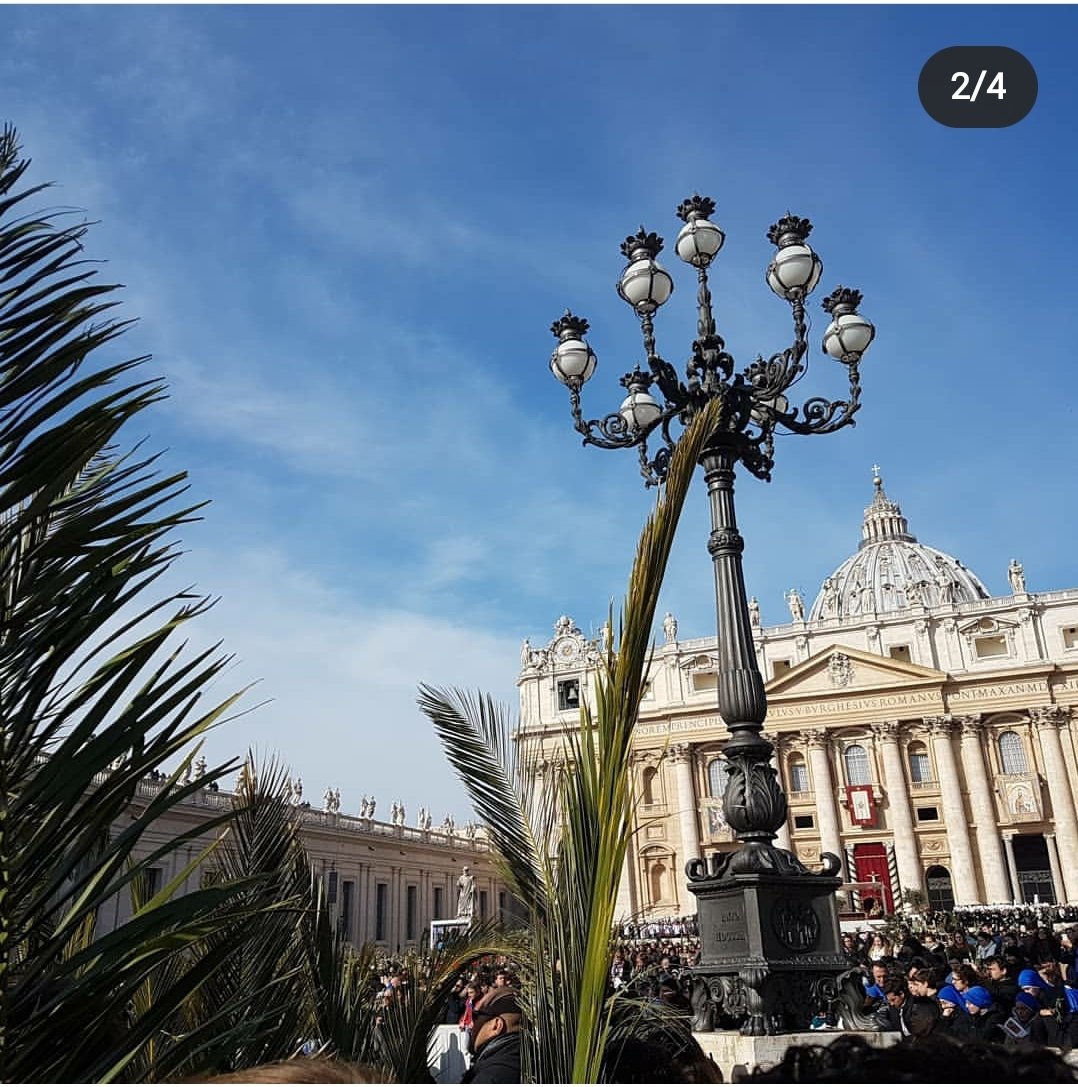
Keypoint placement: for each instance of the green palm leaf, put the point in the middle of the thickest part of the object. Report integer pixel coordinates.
(564, 847)
(94, 692)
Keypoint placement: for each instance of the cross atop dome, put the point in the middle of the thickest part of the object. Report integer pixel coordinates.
(883, 518)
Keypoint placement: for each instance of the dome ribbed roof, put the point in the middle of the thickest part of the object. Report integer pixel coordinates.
(891, 570)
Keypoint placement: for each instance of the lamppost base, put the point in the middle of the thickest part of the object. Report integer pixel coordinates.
(770, 950)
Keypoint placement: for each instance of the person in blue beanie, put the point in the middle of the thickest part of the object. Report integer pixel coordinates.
(954, 1020)
(987, 1017)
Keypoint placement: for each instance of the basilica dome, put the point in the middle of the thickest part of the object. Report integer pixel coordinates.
(891, 571)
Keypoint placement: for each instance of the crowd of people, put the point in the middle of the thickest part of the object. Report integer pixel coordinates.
(1012, 985)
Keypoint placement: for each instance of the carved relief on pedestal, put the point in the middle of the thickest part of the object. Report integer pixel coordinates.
(934, 845)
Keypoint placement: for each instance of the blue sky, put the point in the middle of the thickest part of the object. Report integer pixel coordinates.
(346, 231)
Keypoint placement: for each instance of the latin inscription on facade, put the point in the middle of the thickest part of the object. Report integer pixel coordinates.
(824, 708)
(688, 724)
(1009, 690)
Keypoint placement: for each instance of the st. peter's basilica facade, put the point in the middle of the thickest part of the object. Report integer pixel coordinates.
(924, 732)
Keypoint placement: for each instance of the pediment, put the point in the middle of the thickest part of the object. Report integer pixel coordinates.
(986, 624)
(841, 669)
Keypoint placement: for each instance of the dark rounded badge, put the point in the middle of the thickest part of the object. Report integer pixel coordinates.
(977, 86)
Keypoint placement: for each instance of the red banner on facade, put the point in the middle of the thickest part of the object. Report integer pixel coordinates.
(861, 804)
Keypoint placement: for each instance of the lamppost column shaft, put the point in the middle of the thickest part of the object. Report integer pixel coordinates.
(742, 702)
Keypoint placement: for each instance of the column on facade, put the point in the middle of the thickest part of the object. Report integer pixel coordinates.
(680, 756)
(824, 788)
(1047, 721)
(898, 806)
(1012, 867)
(1053, 863)
(963, 877)
(993, 867)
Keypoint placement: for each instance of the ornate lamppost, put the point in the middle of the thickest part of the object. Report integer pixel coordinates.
(768, 926)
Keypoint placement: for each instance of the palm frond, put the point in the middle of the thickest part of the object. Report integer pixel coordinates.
(93, 694)
(565, 849)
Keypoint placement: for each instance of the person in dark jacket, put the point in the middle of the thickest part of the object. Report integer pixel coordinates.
(954, 1021)
(916, 1015)
(495, 1039)
(986, 1015)
(1001, 984)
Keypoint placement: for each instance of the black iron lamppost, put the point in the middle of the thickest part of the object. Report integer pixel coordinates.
(768, 927)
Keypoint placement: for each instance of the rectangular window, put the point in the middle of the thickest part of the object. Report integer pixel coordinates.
(779, 668)
(501, 905)
(804, 822)
(1070, 637)
(331, 887)
(705, 681)
(482, 905)
(411, 912)
(920, 767)
(928, 815)
(993, 646)
(152, 878)
(438, 914)
(381, 898)
(568, 694)
(900, 653)
(348, 896)
(799, 778)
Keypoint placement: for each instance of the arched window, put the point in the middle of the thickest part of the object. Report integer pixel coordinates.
(716, 778)
(1012, 755)
(799, 775)
(648, 783)
(857, 769)
(920, 764)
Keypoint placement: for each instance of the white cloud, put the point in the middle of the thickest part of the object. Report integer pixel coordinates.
(342, 678)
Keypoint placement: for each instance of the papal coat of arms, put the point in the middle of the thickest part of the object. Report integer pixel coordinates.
(840, 669)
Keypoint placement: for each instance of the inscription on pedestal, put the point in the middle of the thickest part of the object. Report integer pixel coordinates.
(727, 932)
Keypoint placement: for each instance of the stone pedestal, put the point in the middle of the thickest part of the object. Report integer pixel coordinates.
(769, 947)
(737, 1054)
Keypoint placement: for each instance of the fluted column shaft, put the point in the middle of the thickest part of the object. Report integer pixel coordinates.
(680, 756)
(824, 788)
(989, 846)
(1047, 721)
(963, 877)
(898, 807)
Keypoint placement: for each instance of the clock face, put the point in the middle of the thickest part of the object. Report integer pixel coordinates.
(565, 649)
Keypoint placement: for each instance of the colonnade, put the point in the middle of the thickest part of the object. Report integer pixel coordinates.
(976, 845)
